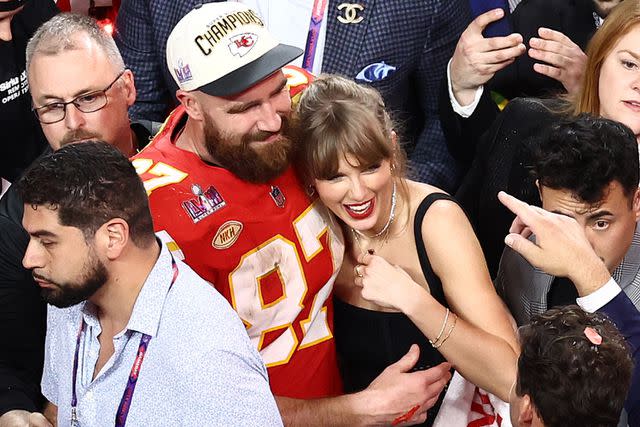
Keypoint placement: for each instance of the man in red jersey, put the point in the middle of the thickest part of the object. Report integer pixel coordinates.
(223, 196)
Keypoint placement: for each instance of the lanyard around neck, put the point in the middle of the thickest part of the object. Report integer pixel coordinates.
(127, 396)
(317, 14)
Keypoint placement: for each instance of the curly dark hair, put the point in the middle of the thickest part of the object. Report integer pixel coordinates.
(584, 154)
(571, 381)
(88, 184)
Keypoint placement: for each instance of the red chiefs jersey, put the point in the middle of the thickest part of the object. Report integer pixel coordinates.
(266, 247)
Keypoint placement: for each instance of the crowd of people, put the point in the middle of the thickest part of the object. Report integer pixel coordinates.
(265, 213)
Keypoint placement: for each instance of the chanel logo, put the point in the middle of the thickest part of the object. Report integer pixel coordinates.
(351, 11)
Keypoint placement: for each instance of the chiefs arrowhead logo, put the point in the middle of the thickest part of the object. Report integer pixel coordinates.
(242, 43)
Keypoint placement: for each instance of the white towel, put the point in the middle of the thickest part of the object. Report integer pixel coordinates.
(466, 405)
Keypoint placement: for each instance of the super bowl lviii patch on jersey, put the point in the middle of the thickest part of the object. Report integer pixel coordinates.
(204, 204)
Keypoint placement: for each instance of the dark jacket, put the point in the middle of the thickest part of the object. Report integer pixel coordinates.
(573, 18)
(501, 158)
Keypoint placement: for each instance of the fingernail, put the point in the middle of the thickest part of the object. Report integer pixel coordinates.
(508, 241)
(499, 12)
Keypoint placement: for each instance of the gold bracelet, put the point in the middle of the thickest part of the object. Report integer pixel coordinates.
(453, 325)
(444, 324)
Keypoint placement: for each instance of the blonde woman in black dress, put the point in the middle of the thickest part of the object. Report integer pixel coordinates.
(414, 272)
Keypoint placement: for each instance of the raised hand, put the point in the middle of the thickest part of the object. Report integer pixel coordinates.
(562, 59)
(476, 58)
(561, 247)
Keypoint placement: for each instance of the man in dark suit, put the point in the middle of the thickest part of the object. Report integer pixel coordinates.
(557, 34)
(562, 249)
(399, 47)
(493, 150)
(587, 169)
(576, 19)
(587, 172)
(626, 317)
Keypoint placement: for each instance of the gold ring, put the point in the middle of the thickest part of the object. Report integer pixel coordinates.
(357, 270)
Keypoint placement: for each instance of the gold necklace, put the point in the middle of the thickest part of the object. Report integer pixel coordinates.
(373, 250)
(384, 233)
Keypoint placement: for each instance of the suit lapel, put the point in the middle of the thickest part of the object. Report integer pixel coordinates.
(628, 269)
(344, 41)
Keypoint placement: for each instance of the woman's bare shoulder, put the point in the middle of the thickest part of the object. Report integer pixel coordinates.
(418, 191)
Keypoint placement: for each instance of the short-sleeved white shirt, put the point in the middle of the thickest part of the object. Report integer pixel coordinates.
(199, 369)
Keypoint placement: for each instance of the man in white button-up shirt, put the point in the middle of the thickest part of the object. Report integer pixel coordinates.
(135, 337)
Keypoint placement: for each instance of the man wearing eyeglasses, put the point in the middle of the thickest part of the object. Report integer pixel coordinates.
(80, 91)
(54, 111)
(79, 86)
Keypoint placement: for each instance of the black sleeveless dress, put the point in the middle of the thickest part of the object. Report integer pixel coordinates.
(368, 341)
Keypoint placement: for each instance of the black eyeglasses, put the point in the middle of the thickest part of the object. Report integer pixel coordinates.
(86, 103)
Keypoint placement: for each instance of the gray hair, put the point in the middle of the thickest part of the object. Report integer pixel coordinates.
(58, 34)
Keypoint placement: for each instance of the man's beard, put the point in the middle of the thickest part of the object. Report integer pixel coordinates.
(63, 295)
(240, 157)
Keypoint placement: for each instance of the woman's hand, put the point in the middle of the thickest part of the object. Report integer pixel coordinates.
(384, 284)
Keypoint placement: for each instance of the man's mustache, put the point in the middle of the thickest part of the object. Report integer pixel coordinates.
(77, 135)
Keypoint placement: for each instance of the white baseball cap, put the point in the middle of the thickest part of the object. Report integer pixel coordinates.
(223, 49)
